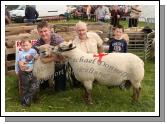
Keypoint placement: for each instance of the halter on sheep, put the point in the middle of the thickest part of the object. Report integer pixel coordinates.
(112, 69)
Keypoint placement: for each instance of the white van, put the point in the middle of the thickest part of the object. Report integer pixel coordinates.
(18, 14)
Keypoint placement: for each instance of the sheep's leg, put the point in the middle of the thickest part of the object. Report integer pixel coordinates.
(85, 95)
(89, 97)
(88, 89)
(136, 94)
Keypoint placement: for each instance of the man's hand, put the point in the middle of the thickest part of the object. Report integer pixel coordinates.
(52, 58)
(47, 60)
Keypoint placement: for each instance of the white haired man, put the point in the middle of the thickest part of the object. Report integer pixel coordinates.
(89, 42)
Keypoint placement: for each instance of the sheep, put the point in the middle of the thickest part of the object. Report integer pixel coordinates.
(104, 68)
(44, 71)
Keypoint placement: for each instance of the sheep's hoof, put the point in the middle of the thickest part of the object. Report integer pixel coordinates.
(90, 103)
(87, 100)
(134, 100)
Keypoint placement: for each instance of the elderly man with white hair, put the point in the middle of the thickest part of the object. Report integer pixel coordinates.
(89, 42)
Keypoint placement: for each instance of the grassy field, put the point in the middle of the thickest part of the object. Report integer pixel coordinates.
(105, 100)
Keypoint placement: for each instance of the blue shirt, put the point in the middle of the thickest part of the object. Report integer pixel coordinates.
(28, 57)
(118, 46)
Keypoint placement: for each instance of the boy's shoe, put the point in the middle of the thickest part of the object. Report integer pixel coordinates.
(26, 102)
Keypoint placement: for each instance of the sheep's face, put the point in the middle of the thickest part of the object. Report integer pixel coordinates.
(45, 50)
(65, 46)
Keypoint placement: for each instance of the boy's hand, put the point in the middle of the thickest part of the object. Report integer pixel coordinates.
(22, 65)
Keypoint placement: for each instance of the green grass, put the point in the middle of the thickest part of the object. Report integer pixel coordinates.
(105, 100)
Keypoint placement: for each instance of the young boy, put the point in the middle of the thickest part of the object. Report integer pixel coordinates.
(27, 83)
(118, 44)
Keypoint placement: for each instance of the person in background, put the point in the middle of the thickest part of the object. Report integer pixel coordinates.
(7, 16)
(102, 13)
(88, 11)
(134, 15)
(31, 14)
(115, 15)
(79, 12)
(68, 13)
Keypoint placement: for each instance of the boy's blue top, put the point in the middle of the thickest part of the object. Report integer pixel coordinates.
(118, 46)
(28, 57)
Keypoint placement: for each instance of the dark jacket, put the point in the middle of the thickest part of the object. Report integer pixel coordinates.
(31, 13)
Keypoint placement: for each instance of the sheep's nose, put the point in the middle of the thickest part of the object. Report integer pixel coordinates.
(70, 46)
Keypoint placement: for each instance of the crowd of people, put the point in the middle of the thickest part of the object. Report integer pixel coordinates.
(110, 13)
(100, 13)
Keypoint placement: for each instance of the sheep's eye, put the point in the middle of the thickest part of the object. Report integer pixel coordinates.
(70, 45)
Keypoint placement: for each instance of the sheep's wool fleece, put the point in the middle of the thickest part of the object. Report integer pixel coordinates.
(43, 71)
(112, 70)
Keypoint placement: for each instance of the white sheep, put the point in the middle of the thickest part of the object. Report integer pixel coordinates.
(109, 69)
(44, 71)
